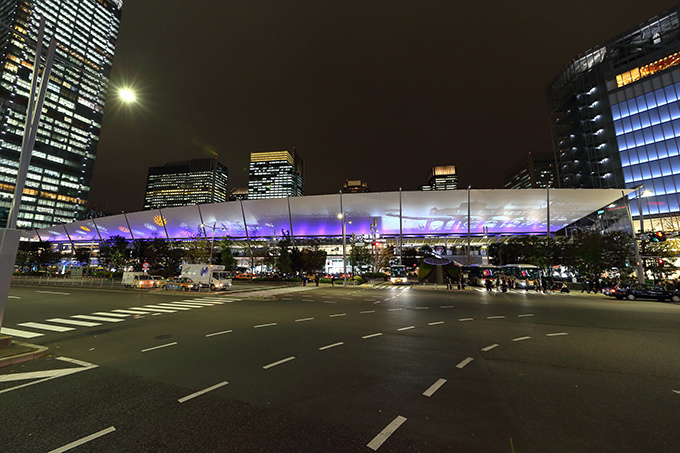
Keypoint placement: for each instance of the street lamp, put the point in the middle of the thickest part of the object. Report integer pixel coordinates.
(127, 95)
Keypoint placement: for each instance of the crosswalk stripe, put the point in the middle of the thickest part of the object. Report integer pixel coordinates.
(41, 326)
(98, 318)
(158, 309)
(182, 304)
(115, 315)
(19, 333)
(199, 304)
(73, 322)
(132, 312)
(171, 307)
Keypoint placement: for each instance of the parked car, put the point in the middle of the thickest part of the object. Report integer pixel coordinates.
(181, 284)
(644, 291)
(158, 281)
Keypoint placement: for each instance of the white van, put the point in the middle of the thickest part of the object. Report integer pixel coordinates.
(137, 280)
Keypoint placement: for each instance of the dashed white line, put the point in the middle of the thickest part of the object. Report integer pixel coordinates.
(557, 334)
(524, 316)
(201, 392)
(161, 346)
(406, 328)
(422, 308)
(447, 306)
(386, 433)
(436, 323)
(337, 314)
(434, 387)
(371, 336)
(490, 347)
(265, 325)
(84, 440)
(219, 333)
(676, 391)
(54, 292)
(466, 319)
(394, 309)
(495, 317)
(464, 362)
(368, 311)
(521, 338)
(266, 367)
(323, 348)
(304, 319)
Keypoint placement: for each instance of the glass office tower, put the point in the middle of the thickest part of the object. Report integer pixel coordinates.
(275, 174)
(58, 180)
(442, 177)
(616, 119)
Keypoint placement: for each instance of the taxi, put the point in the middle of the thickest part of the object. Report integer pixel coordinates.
(180, 284)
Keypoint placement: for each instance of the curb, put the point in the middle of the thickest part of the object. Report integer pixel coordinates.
(39, 351)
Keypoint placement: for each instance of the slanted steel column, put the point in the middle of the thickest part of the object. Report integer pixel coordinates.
(163, 222)
(469, 215)
(250, 248)
(344, 243)
(638, 259)
(401, 231)
(290, 222)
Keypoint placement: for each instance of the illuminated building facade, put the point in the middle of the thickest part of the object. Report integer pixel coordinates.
(533, 172)
(190, 182)
(615, 114)
(275, 174)
(58, 180)
(442, 177)
(355, 186)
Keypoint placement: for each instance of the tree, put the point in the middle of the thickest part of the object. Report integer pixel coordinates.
(114, 252)
(38, 254)
(314, 259)
(360, 259)
(226, 254)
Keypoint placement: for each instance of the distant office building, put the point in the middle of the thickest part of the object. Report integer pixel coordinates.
(443, 177)
(238, 193)
(532, 172)
(58, 180)
(184, 183)
(615, 115)
(355, 186)
(275, 174)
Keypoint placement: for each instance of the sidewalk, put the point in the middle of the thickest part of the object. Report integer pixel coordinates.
(13, 352)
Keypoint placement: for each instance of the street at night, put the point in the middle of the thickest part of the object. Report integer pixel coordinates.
(341, 369)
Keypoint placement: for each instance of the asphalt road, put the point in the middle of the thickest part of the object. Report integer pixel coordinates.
(341, 369)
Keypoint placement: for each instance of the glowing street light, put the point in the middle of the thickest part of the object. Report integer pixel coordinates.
(127, 95)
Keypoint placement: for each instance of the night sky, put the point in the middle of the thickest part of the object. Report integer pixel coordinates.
(375, 90)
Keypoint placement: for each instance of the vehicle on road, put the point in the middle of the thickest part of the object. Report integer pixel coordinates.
(524, 276)
(137, 280)
(398, 274)
(207, 275)
(181, 284)
(158, 280)
(478, 275)
(645, 291)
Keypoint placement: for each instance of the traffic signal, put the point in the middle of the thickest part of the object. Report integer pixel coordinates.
(660, 261)
(659, 236)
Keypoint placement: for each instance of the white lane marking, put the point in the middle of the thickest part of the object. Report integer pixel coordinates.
(77, 362)
(198, 304)
(525, 316)
(304, 319)
(132, 312)
(115, 315)
(329, 302)
(73, 322)
(447, 306)
(490, 347)
(385, 433)
(347, 298)
(372, 335)
(37, 325)
(326, 297)
(495, 317)
(151, 308)
(171, 307)
(422, 308)
(394, 309)
(53, 292)
(337, 314)
(181, 304)
(323, 348)
(368, 311)
(286, 298)
(464, 362)
(436, 323)
(521, 338)
(557, 334)
(466, 319)
(676, 391)
(266, 367)
(434, 387)
(406, 328)
(97, 318)
(44, 376)
(13, 297)
(376, 302)
(307, 300)
(369, 300)
(265, 325)
(201, 392)
(19, 333)
(161, 346)
(219, 333)
(84, 440)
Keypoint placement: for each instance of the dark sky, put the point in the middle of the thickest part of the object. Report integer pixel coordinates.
(375, 90)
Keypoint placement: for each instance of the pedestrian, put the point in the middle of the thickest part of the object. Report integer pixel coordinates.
(316, 279)
(304, 280)
(332, 280)
(584, 285)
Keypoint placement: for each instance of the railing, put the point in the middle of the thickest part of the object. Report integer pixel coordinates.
(47, 280)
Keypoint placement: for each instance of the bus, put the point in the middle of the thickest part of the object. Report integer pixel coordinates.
(398, 274)
(524, 276)
(478, 274)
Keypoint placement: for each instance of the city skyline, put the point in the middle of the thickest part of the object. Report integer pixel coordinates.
(367, 91)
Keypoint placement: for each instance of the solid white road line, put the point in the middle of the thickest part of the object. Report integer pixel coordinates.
(521, 338)
(434, 387)
(385, 433)
(199, 393)
(524, 316)
(436, 323)
(265, 325)
(490, 347)
(407, 328)
(77, 362)
(19, 333)
(53, 292)
(323, 348)
(464, 362)
(132, 312)
(371, 336)
(84, 440)
(337, 314)
(368, 311)
(219, 333)
(97, 318)
(37, 325)
(557, 334)
(466, 319)
(156, 309)
(495, 317)
(73, 322)
(161, 346)
(266, 367)
(304, 319)
(115, 315)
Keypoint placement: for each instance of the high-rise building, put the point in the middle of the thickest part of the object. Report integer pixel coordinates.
(442, 177)
(185, 183)
(276, 174)
(532, 172)
(58, 180)
(615, 114)
(355, 186)
(238, 193)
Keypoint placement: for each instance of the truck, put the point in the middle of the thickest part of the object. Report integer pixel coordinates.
(211, 276)
(137, 280)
